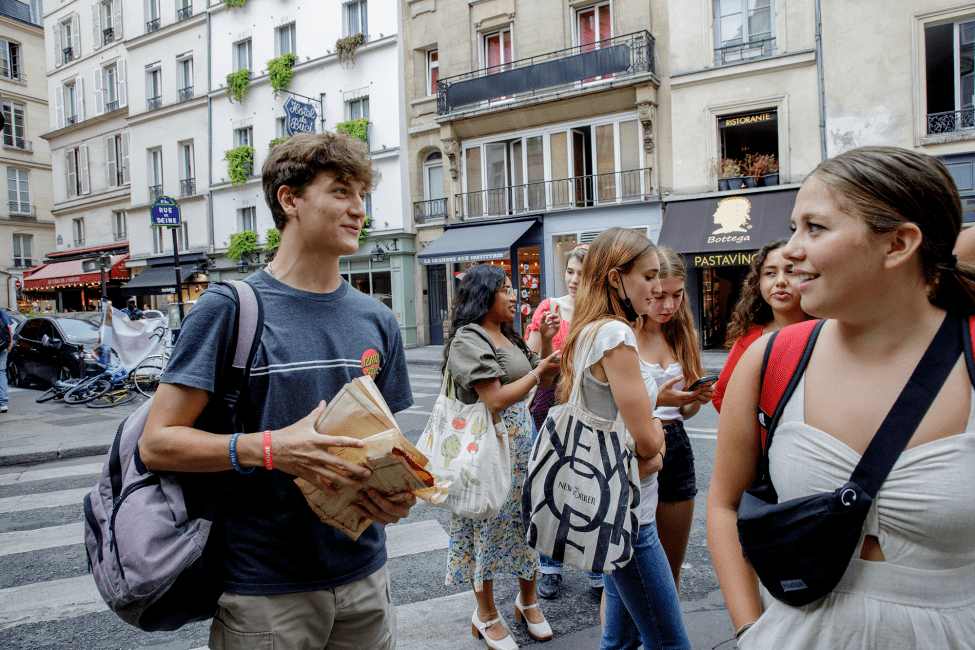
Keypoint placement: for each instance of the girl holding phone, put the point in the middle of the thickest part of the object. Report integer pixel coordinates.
(769, 301)
(668, 346)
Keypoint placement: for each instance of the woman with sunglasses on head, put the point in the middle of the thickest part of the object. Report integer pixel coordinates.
(618, 285)
(487, 361)
(769, 301)
(872, 249)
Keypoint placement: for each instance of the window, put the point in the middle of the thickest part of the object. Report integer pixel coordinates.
(184, 69)
(22, 251)
(747, 134)
(110, 87)
(66, 40)
(434, 205)
(154, 89)
(155, 174)
(247, 219)
(78, 228)
(593, 24)
(497, 49)
(358, 108)
(280, 127)
(10, 63)
(182, 235)
(244, 136)
(286, 40)
(105, 25)
(14, 131)
(187, 183)
(356, 18)
(152, 13)
(70, 102)
(117, 155)
(949, 51)
(242, 58)
(743, 29)
(184, 10)
(118, 221)
(18, 191)
(76, 165)
(433, 71)
(158, 240)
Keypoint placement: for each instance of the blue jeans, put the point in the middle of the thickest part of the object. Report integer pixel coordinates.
(3, 374)
(641, 601)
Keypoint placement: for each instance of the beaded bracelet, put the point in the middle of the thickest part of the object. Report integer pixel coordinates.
(233, 455)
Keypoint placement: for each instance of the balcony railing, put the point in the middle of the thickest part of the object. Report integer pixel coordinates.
(153, 25)
(22, 263)
(120, 177)
(68, 53)
(564, 194)
(71, 119)
(18, 209)
(186, 93)
(10, 73)
(154, 103)
(155, 191)
(951, 121)
(613, 58)
(187, 187)
(737, 52)
(111, 106)
(20, 144)
(429, 210)
(108, 35)
(184, 13)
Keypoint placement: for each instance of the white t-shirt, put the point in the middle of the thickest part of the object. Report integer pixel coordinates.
(661, 376)
(597, 397)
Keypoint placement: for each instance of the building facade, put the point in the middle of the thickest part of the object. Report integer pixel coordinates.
(26, 223)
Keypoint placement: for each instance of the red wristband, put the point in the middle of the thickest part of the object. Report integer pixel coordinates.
(268, 461)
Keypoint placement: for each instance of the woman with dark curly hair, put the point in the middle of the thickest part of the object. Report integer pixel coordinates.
(488, 361)
(769, 301)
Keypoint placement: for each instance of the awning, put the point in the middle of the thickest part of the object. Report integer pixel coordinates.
(475, 243)
(156, 280)
(60, 275)
(728, 223)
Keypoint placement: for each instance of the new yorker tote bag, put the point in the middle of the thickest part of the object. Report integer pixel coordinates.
(468, 444)
(581, 499)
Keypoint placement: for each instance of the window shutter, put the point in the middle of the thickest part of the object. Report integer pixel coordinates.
(112, 162)
(76, 35)
(59, 106)
(79, 89)
(58, 56)
(72, 174)
(125, 157)
(83, 172)
(99, 93)
(117, 19)
(120, 75)
(96, 24)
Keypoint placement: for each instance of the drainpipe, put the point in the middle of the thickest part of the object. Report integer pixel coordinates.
(209, 135)
(819, 78)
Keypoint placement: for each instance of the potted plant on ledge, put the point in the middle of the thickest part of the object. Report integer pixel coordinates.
(761, 167)
(725, 169)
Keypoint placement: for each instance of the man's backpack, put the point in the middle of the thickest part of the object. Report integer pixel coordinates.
(4, 333)
(146, 549)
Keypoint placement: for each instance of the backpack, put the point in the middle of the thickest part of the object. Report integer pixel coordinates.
(786, 356)
(146, 549)
(4, 333)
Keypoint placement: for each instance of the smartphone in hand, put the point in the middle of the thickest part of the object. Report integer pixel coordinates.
(710, 379)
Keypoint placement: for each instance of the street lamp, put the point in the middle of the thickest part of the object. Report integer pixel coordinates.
(104, 261)
(379, 253)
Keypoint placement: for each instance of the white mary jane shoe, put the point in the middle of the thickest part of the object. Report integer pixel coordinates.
(478, 627)
(538, 631)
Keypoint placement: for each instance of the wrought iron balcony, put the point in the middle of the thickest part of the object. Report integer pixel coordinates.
(19, 209)
(185, 93)
(153, 25)
(68, 53)
(154, 103)
(120, 177)
(187, 187)
(71, 119)
(738, 52)
(20, 144)
(184, 13)
(564, 194)
(155, 191)
(429, 210)
(22, 263)
(10, 73)
(108, 35)
(951, 121)
(613, 58)
(111, 106)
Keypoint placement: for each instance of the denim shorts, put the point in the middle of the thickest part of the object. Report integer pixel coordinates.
(677, 481)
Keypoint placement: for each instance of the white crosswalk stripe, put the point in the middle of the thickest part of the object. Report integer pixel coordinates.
(25, 541)
(46, 474)
(45, 500)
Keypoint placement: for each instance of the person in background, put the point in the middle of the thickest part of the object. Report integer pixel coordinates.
(6, 344)
(132, 310)
(965, 246)
(769, 301)
(550, 581)
(487, 360)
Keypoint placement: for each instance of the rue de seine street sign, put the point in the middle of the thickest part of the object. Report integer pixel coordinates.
(164, 212)
(300, 117)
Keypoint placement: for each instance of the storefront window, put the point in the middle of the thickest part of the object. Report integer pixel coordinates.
(562, 244)
(528, 284)
(751, 133)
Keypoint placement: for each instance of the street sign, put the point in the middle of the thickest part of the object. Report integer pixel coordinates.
(164, 212)
(17, 283)
(300, 117)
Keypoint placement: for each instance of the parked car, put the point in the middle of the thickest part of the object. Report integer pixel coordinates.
(47, 348)
(153, 313)
(15, 315)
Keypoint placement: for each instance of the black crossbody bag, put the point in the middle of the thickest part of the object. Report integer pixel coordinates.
(801, 548)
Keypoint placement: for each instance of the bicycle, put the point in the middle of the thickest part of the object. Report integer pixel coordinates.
(147, 374)
(57, 390)
(114, 396)
(95, 386)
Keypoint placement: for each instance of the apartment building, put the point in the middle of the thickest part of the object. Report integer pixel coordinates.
(345, 74)
(531, 129)
(26, 223)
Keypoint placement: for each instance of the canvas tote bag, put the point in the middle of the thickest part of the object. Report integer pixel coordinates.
(468, 444)
(582, 492)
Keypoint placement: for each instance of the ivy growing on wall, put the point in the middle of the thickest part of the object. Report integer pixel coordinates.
(237, 84)
(240, 164)
(273, 239)
(364, 232)
(276, 141)
(280, 73)
(230, 4)
(241, 243)
(347, 46)
(357, 128)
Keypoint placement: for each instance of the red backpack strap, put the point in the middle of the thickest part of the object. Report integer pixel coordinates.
(968, 340)
(786, 356)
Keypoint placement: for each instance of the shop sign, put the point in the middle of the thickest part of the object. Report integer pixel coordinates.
(468, 257)
(723, 259)
(300, 117)
(768, 116)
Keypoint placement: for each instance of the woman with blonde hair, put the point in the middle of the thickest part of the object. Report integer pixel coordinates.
(619, 281)
(872, 248)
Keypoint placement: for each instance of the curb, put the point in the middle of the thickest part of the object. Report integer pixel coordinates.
(26, 457)
(430, 363)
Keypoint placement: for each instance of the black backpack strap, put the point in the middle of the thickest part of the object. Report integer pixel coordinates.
(912, 404)
(967, 338)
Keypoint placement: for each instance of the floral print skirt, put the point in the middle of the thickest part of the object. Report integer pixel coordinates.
(479, 549)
